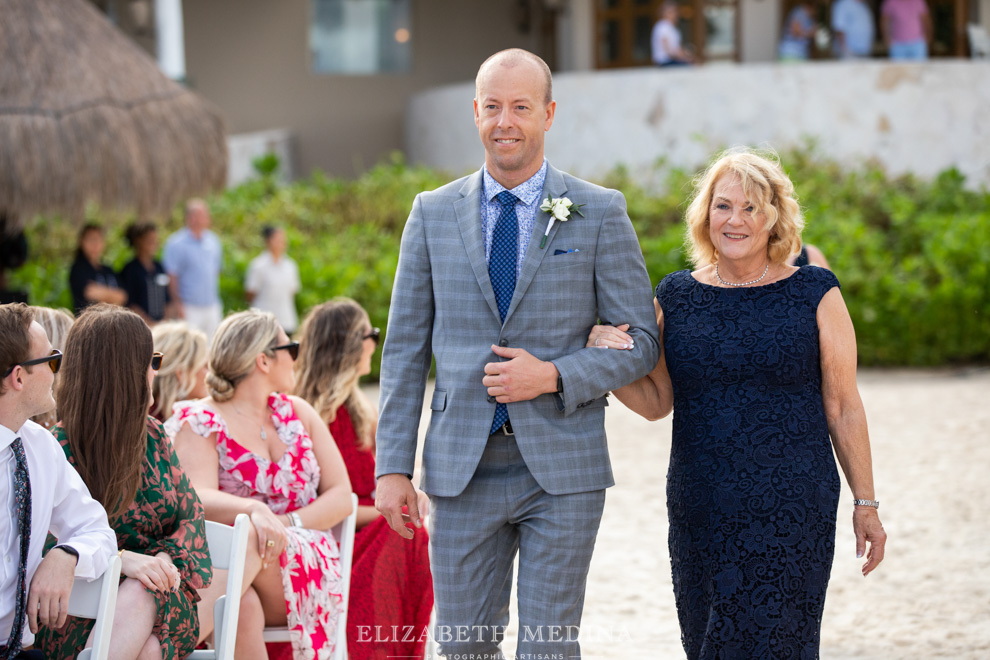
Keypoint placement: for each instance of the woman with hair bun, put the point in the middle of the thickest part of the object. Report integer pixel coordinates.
(250, 449)
(759, 367)
(391, 584)
(184, 375)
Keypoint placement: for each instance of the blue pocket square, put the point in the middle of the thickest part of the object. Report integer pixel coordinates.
(556, 252)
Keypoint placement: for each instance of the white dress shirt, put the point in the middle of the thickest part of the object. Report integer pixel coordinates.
(60, 504)
(274, 285)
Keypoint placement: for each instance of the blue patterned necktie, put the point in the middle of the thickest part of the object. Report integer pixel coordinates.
(22, 505)
(502, 271)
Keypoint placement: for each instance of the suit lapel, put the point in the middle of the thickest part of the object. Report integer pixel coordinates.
(555, 187)
(468, 212)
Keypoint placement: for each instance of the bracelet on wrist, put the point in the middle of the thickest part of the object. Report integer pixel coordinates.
(870, 503)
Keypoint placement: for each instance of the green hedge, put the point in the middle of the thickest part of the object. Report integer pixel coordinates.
(913, 256)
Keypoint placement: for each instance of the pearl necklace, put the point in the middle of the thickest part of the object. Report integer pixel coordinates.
(719, 277)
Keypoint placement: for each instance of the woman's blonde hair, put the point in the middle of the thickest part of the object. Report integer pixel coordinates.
(766, 187)
(184, 349)
(236, 345)
(56, 323)
(331, 344)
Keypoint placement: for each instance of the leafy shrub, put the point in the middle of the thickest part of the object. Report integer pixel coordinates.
(913, 256)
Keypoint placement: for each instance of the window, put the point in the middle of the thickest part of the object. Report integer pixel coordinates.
(360, 37)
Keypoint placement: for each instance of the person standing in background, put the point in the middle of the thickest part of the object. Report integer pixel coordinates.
(193, 257)
(273, 280)
(852, 25)
(144, 278)
(90, 280)
(907, 29)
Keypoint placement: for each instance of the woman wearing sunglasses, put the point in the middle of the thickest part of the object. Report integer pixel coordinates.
(128, 464)
(391, 584)
(250, 449)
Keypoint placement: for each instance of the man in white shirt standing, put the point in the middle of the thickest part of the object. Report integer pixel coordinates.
(40, 493)
(273, 280)
(853, 28)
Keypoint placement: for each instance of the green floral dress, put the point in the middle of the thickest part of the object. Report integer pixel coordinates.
(166, 516)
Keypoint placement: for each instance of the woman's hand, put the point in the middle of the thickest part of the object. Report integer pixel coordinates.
(423, 502)
(156, 573)
(867, 527)
(272, 536)
(607, 336)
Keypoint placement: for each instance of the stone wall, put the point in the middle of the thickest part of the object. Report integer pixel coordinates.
(919, 118)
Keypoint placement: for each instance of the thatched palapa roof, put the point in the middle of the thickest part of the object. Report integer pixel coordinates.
(86, 116)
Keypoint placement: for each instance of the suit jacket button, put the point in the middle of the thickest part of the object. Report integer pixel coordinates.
(503, 342)
(491, 399)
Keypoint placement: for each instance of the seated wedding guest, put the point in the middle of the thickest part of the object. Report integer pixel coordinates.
(759, 368)
(665, 39)
(91, 281)
(39, 492)
(799, 29)
(183, 375)
(144, 278)
(391, 584)
(56, 323)
(809, 256)
(128, 463)
(249, 448)
(272, 280)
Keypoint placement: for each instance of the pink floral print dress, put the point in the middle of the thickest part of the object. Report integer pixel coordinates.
(311, 575)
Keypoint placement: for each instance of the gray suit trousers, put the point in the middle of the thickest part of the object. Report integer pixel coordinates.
(474, 538)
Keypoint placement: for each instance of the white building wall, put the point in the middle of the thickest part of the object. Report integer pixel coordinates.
(576, 35)
(919, 118)
(759, 28)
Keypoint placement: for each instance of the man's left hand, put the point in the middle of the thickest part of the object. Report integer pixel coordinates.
(48, 598)
(521, 378)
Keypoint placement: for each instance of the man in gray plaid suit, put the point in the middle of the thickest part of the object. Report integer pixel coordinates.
(515, 459)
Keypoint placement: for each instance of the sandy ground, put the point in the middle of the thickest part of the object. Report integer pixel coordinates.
(930, 432)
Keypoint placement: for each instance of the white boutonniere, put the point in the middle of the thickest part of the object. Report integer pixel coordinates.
(558, 209)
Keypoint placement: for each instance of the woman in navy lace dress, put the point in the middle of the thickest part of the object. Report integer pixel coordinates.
(759, 368)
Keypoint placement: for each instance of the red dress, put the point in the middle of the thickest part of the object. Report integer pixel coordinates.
(391, 584)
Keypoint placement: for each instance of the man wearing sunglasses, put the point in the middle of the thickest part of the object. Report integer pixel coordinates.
(40, 493)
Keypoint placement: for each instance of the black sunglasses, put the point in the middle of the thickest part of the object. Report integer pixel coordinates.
(156, 361)
(292, 347)
(374, 333)
(54, 361)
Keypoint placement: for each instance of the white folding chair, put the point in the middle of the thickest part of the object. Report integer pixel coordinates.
(979, 41)
(96, 599)
(228, 550)
(344, 533)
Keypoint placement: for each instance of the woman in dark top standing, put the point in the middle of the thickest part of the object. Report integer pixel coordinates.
(89, 279)
(143, 278)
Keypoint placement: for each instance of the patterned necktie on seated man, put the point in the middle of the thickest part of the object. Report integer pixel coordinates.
(22, 510)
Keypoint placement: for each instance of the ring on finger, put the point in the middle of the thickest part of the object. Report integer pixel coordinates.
(596, 341)
(270, 543)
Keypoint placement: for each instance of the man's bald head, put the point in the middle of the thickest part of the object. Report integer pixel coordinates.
(511, 58)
